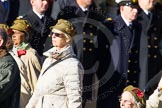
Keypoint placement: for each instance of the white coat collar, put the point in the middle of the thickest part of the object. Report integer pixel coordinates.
(53, 53)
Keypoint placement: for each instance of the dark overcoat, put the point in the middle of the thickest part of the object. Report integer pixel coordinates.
(125, 54)
(128, 42)
(150, 55)
(41, 31)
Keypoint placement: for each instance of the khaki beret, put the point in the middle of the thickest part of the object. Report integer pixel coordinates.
(7, 29)
(22, 25)
(5, 26)
(65, 26)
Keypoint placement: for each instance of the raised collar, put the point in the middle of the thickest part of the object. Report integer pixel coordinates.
(126, 22)
(38, 14)
(146, 12)
(53, 53)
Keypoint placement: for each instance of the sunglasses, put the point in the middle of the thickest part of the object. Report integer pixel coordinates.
(56, 34)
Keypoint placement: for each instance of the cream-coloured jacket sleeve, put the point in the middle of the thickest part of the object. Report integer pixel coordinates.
(156, 98)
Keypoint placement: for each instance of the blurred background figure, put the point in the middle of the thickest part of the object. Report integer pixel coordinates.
(9, 32)
(132, 97)
(60, 81)
(149, 18)
(126, 32)
(25, 93)
(9, 76)
(68, 9)
(21, 33)
(109, 8)
(24, 7)
(40, 22)
(8, 12)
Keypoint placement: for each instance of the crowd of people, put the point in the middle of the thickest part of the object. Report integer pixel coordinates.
(59, 53)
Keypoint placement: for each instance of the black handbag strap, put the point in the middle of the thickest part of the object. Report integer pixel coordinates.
(54, 63)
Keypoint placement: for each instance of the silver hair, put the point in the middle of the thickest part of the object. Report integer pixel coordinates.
(136, 102)
(4, 36)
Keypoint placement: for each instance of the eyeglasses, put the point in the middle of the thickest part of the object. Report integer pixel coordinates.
(56, 34)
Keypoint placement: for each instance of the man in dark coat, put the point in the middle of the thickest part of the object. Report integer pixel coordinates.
(25, 6)
(8, 12)
(150, 58)
(40, 23)
(126, 32)
(9, 76)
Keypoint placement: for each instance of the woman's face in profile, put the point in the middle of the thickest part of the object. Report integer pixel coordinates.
(18, 37)
(126, 100)
(58, 39)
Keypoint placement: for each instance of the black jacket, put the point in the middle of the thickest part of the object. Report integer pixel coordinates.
(150, 56)
(9, 82)
(127, 55)
(41, 30)
(9, 14)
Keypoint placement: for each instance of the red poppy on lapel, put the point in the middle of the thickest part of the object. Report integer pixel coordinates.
(21, 52)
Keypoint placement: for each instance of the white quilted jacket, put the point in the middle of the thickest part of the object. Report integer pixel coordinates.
(60, 86)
